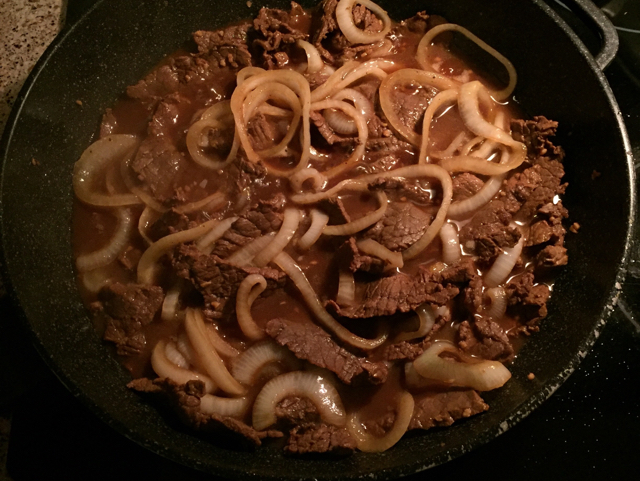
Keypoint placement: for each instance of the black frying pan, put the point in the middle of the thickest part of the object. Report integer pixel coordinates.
(117, 42)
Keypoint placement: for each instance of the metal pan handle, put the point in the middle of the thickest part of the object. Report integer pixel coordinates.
(607, 32)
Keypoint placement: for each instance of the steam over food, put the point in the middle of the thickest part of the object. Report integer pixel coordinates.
(323, 226)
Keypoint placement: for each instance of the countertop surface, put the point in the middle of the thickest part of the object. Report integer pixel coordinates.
(589, 428)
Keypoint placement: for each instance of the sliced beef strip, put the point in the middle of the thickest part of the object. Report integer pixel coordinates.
(552, 256)
(263, 218)
(276, 33)
(402, 225)
(167, 114)
(218, 280)
(349, 257)
(465, 185)
(158, 165)
(320, 439)
(127, 309)
(401, 190)
(410, 103)
(169, 222)
(444, 408)
(311, 343)
(527, 301)
(296, 410)
(485, 339)
(184, 400)
(535, 135)
(243, 175)
(225, 48)
(403, 351)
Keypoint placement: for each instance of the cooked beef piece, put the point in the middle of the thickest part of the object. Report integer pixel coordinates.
(552, 256)
(184, 400)
(218, 280)
(127, 309)
(485, 339)
(334, 208)
(168, 114)
(403, 351)
(170, 222)
(410, 103)
(402, 225)
(349, 257)
(473, 294)
(443, 408)
(320, 439)
(263, 218)
(277, 32)
(401, 190)
(535, 135)
(225, 48)
(488, 231)
(262, 131)
(527, 301)
(330, 135)
(244, 175)
(295, 410)
(130, 257)
(158, 166)
(311, 343)
(466, 185)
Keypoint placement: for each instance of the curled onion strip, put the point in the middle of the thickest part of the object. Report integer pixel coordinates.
(96, 279)
(344, 17)
(348, 74)
(314, 61)
(92, 163)
(503, 265)
(282, 238)
(221, 346)
(243, 256)
(165, 368)
(147, 265)
(298, 383)
(318, 221)
(363, 222)
(250, 288)
(478, 375)
(343, 124)
(370, 444)
(498, 306)
(247, 72)
(407, 76)
(373, 248)
(251, 364)
(210, 202)
(171, 301)
(211, 361)
(427, 319)
(147, 199)
(218, 117)
(175, 356)
(426, 41)
(450, 244)
(298, 179)
(147, 218)
(224, 406)
(346, 289)
(107, 254)
(363, 134)
(455, 144)
(286, 263)
(206, 242)
(438, 101)
(293, 81)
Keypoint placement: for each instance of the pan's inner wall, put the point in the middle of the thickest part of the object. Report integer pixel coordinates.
(118, 42)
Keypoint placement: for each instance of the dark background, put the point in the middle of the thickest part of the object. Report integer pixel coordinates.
(589, 429)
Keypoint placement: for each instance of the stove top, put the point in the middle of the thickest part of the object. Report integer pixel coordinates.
(589, 429)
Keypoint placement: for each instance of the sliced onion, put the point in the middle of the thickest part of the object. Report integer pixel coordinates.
(314, 61)
(286, 263)
(247, 72)
(208, 356)
(251, 364)
(206, 242)
(503, 265)
(175, 356)
(370, 444)
(144, 196)
(93, 161)
(344, 17)
(211, 202)
(436, 103)
(427, 318)
(221, 346)
(434, 32)
(107, 254)
(346, 289)
(298, 383)
(147, 218)
(363, 222)
(344, 124)
(282, 238)
(147, 265)
(96, 279)
(373, 248)
(216, 117)
(450, 244)
(243, 256)
(249, 289)
(455, 144)
(224, 406)
(478, 375)
(165, 368)
(298, 179)
(318, 221)
(171, 301)
(349, 73)
(498, 306)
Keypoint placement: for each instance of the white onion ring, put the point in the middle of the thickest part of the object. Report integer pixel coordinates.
(314, 61)
(249, 289)
(503, 265)
(283, 237)
(221, 346)
(438, 101)
(165, 368)
(224, 406)
(107, 254)
(318, 222)
(250, 365)
(344, 17)
(498, 306)
(427, 318)
(450, 244)
(348, 74)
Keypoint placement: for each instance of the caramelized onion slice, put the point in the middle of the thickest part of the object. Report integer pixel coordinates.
(250, 288)
(250, 365)
(370, 444)
(216, 117)
(478, 375)
(224, 406)
(107, 254)
(314, 60)
(373, 248)
(450, 244)
(346, 288)
(362, 222)
(282, 238)
(349, 73)
(344, 17)
(207, 241)
(436, 103)
(298, 383)
(165, 368)
(171, 301)
(318, 221)
(243, 256)
(108, 150)
(498, 306)
(286, 263)
(503, 265)
(427, 318)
